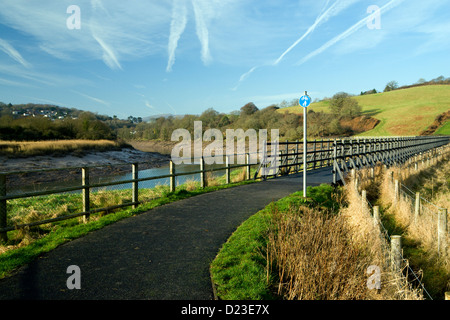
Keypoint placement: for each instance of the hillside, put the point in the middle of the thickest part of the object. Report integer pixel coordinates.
(401, 112)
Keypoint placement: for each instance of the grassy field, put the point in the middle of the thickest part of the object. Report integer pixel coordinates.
(401, 112)
(444, 130)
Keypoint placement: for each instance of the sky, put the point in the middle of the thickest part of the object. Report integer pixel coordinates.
(144, 58)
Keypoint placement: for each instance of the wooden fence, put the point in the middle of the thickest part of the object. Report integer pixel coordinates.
(341, 154)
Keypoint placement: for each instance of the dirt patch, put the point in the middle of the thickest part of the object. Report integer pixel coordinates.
(359, 124)
(439, 121)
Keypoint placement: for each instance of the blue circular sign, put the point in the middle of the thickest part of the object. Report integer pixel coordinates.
(305, 101)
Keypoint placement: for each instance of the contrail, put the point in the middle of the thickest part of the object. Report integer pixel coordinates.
(202, 30)
(109, 57)
(13, 53)
(361, 23)
(177, 26)
(335, 9)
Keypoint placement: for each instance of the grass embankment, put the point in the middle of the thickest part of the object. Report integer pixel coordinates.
(26, 244)
(401, 112)
(20, 149)
(419, 236)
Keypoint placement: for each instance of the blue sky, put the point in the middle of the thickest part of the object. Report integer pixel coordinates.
(152, 57)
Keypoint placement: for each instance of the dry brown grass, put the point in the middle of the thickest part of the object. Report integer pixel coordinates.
(314, 259)
(240, 176)
(31, 148)
(367, 235)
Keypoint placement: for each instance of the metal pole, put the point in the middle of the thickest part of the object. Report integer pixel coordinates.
(305, 146)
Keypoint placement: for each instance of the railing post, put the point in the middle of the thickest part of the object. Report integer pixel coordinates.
(172, 177)
(203, 173)
(442, 231)
(314, 155)
(85, 193)
(396, 252)
(334, 161)
(3, 209)
(247, 171)
(135, 188)
(227, 162)
(329, 155)
(296, 156)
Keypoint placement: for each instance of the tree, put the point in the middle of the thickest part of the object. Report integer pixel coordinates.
(248, 109)
(391, 85)
(343, 105)
(421, 81)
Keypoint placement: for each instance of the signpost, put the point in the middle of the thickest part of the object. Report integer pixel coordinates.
(304, 101)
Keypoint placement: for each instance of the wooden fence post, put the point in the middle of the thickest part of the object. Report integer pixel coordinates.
(376, 215)
(396, 192)
(135, 186)
(172, 178)
(85, 193)
(363, 199)
(396, 252)
(442, 231)
(417, 208)
(3, 209)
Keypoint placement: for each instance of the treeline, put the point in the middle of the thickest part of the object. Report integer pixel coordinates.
(393, 85)
(290, 125)
(85, 126)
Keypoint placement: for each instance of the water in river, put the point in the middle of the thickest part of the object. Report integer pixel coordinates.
(98, 179)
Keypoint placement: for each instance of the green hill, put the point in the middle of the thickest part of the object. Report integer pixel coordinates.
(401, 112)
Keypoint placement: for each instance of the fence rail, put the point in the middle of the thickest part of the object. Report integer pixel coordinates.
(341, 154)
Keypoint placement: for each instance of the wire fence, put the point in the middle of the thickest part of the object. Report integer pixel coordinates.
(400, 273)
(423, 219)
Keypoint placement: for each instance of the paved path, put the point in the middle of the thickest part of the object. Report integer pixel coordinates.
(163, 254)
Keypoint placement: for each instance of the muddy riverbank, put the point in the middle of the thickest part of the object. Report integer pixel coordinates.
(101, 163)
